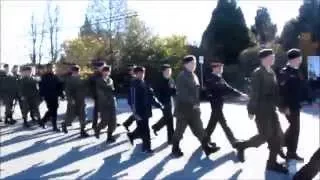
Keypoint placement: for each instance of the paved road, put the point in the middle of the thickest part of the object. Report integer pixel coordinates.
(40, 153)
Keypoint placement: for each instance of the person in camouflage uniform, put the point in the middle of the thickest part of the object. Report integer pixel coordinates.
(106, 104)
(264, 99)
(29, 95)
(187, 109)
(75, 92)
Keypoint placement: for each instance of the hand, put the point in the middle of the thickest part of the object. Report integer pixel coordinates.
(244, 97)
(251, 116)
(22, 98)
(137, 117)
(287, 111)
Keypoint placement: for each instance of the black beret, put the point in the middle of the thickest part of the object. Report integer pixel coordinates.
(15, 66)
(6, 65)
(98, 64)
(165, 66)
(106, 68)
(293, 53)
(188, 59)
(26, 68)
(265, 52)
(139, 69)
(75, 68)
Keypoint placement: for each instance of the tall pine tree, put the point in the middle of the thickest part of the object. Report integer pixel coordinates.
(227, 34)
(264, 30)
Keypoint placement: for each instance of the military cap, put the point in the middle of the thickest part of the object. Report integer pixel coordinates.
(105, 68)
(26, 68)
(293, 53)
(75, 68)
(265, 53)
(165, 66)
(139, 69)
(188, 59)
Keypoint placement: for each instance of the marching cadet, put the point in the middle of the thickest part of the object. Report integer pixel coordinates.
(75, 92)
(187, 109)
(106, 103)
(130, 77)
(142, 100)
(311, 169)
(217, 88)
(264, 99)
(29, 95)
(15, 74)
(93, 92)
(164, 91)
(50, 90)
(2, 77)
(10, 91)
(291, 91)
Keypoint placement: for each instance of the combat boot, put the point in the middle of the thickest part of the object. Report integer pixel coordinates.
(208, 149)
(64, 128)
(176, 151)
(110, 138)
(274, 166)
(83, 133)
(25, 123)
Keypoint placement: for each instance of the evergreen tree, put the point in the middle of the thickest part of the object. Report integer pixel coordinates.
(227, 34)
(86, 28)
(264, 30)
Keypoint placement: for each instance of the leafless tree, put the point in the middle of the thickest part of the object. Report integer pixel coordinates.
(53, 29)
(34, 35)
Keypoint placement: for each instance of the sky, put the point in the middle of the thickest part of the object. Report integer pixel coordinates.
(164, 17)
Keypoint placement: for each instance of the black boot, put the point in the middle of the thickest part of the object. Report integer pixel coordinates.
(12, 121)
(64, 128)
(294, 156)
(25, 123)
(83, 133)
(274, 166)
(6, 120)
(97, 132)
(110, 139)
(208, 149)
(239, 146)
(56, 129)
(176, 151)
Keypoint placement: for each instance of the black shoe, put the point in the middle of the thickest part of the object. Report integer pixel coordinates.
(42, 124)
(294, 156)
(130, 138)
(110, 140)
(177, 153)
(97, 133)
(26, 125)
(0, 119)
(12, 122)
(84, 134)
(155, 132)
(64, 128)
(277, 168)
(55, 129)
(126, 127)
(210, 150)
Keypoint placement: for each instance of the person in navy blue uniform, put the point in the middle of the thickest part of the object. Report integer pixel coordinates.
(292, 92)
(51, 88)
(217, 88)
(142, 100)
(129, 78)
(165, 90)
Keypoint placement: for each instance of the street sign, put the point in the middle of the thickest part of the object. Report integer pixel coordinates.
(201, 59)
